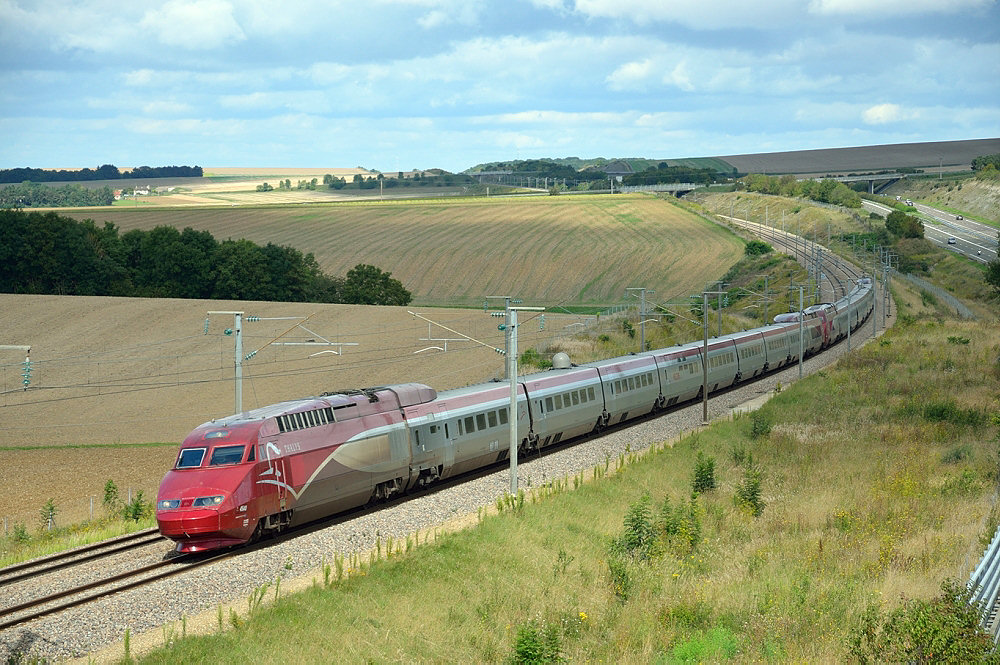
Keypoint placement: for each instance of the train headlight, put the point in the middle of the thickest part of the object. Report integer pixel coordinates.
(168, 504)
(208, 501)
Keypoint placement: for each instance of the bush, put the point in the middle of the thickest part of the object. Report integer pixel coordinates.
(47, 515)
(944, 629)
(704, 474)
(536, 644)
(748, 494)
(138, 508)
(760, 426)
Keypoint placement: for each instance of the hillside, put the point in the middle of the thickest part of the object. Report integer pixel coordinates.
(547, 250)
(968, 196)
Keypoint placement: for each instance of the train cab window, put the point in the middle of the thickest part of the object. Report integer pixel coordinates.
(252, 455)
(492, 417)
(226, 455)
(503, 416)
(190, 458)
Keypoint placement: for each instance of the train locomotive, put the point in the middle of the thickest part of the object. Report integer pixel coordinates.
(272, 468)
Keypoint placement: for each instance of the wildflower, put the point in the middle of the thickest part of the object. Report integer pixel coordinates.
(583, 616)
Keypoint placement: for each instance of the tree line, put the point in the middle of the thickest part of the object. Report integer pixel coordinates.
(46, 253)
(103, 172)
(824, 191)
(662, 173)
(36, 195)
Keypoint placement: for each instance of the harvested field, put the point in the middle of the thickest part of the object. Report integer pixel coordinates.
(547, 250)
(113, 372)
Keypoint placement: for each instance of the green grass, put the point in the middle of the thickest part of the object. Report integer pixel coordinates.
(863, 504)
(42, 543)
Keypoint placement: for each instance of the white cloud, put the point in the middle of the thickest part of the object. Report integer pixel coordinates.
(631, 75)
(194, 24)
(903, 8)
(698, 14)
(883, 114)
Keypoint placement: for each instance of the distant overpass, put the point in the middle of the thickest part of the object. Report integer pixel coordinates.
(889, 178)
(677, 188)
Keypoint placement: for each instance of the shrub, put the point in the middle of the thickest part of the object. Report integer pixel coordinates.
(536, 644)
(112, 499)
(636, 540)
(704, 474)
(760, 425)
(944, 629)
(138, 508)
(748, 494)
(47, 515)
(20, 534)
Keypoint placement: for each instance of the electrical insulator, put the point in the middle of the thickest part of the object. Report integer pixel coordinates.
(228, 331)
(249, 355)
(253, 318)
(206, 326)
(541, 323)
(500, 351)
(502, 326)
(26, 373)
(498, 314)
(486, 306)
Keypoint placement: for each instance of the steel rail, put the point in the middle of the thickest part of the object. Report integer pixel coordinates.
(70, 558)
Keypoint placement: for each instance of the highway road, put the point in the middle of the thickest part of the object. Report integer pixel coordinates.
(975, 240)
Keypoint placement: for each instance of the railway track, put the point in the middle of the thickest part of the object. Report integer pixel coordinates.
(837, 272)
(57, 595)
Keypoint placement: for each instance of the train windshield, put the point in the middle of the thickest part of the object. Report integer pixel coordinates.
(226, 455)
(190, 457)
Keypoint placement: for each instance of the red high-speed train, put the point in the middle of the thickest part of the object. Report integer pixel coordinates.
(271, 468)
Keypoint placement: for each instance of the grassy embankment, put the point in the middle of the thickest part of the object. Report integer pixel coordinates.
(875, 478)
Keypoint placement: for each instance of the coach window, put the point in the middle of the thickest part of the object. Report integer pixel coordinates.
(470, 425)
(576, 398)
(503, 416)
(492, 416)
(558, 401)
(590, 394)
(548, 404)
(480, 421)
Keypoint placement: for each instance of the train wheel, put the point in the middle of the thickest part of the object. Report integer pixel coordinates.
(258, 532)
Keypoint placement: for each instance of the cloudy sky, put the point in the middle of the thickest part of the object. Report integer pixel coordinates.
(402, 84)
